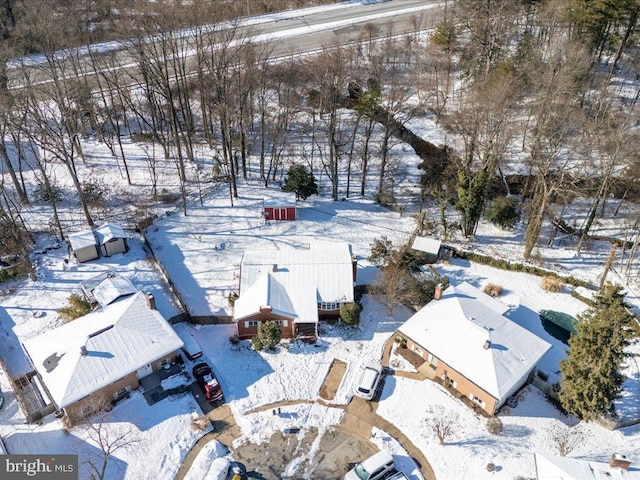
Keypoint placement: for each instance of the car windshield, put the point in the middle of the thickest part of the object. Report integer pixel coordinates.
(361, 472)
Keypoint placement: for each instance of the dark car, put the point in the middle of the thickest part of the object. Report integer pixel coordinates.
(208, 382)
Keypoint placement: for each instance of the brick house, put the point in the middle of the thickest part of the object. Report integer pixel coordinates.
(465, 337)
(107, 351)
(294, 287)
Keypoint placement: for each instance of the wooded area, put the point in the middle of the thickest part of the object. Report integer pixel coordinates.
(539, 98)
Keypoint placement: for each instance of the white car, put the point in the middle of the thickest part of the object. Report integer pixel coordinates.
(377, 467)
(369, 380)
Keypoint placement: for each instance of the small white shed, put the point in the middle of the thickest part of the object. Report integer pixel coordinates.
(83, 245)
(429, 246)
(111, 239)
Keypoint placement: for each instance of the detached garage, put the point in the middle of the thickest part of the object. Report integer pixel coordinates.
(280, 207)
(83, 245)
(111, 239)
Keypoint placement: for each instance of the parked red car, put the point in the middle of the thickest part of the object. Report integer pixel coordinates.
(208, 382)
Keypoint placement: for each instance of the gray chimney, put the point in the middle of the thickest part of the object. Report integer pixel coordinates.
(274, 269)
(151, 301)
(83, 351)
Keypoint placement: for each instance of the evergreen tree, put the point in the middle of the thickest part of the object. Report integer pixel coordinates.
(301, 181)
(591, 378)
(268, 336)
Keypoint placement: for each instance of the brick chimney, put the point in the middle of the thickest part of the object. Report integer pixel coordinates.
(151, 301)
(437, 295)
(619, 461)
(487, 345)
(354, 266)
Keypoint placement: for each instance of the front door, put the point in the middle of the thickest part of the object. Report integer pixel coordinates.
(144, 371)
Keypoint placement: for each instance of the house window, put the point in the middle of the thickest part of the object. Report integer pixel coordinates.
(251, 323)
(86, 411)
(448, 382)
(418, 350)
(282, 323)
(162, 363)
(328, 306)
(121, 393)
(432, 360)
(477, 400)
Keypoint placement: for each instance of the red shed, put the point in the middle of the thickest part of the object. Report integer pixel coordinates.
(280, 207)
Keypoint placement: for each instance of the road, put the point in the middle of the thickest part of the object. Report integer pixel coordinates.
(289, 33)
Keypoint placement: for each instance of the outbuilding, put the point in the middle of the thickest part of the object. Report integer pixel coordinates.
(280, 206)
(111, 239)
(83, 245)
(429, 246)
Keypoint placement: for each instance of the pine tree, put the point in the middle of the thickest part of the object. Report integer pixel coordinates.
(591, 378)
(301, 181)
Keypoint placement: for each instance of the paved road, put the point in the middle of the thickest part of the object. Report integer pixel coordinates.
(294, 32)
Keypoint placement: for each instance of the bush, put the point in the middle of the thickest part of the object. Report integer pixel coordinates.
(503, 212)
(492, 290)
(234, 339)
(231, 298)
(40, 194)
(93, 193)
(551, 283)
(257, 345)
(494, 425)
(200, 423)
(268, 336)
(78, 307)
(350, 313)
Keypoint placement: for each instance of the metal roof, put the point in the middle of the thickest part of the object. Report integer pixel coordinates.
(427, 245)
(109, 231)
(118, 339)
(80, 240)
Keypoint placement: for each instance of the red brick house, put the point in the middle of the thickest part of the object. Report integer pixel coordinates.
(280, 206)
(465, 337)
(107, 352)
(294, 287)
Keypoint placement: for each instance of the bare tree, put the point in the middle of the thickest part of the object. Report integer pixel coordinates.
(107, 436)
(442, 423)
(565, 438)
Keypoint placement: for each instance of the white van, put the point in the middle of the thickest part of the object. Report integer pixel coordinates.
(376, 467)
(368, 382)
(191, 348)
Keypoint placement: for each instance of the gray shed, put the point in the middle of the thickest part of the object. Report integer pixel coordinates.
(111, 239)
(83, 245)
(429, 246)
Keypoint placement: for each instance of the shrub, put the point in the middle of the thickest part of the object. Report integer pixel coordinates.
(492, 290)
(494, 425)
(503, 212)
(233, 296)
(93, 193)
(234, 339)
(268, 336)
(256, 343)
(490, 467)
(551, 283)
(350, 313)
(78, 307)
(40, 194)
(402, 341)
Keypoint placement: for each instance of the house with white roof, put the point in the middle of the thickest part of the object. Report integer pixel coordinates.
(107, 351)
(552, 467)
(83, 245)
(111, 239)
(295, 288)
(472, 346)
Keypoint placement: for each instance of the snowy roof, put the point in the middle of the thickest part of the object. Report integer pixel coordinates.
(427, 245)
(109, 231)
(455, 329)
(280, 199)
(80, 240)
(551, 467)
(112, 288)
(326, 267)
(119, 339)
(295, 302)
